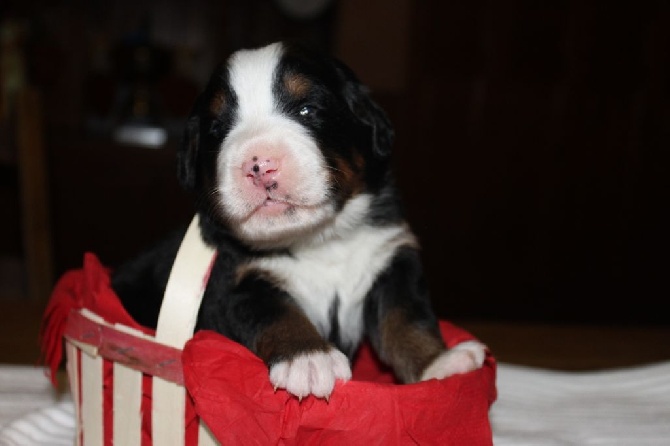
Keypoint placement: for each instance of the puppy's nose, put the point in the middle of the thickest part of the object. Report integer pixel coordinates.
(263, 171)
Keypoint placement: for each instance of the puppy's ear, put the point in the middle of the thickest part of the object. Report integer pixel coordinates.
(367, 112)
(187, 154)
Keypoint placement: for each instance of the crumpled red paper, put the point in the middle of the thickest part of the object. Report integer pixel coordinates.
(231, 392)
(88, 287)
(230, 387)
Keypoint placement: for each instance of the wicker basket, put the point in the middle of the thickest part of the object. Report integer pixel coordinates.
(133, 386)
(92, 343)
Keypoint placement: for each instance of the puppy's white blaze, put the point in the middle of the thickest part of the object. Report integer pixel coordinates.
(462, 358)
(311, 373)
(260, 129)
(343, 264)
(251, 74)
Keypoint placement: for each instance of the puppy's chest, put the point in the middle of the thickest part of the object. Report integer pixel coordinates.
(331, 280)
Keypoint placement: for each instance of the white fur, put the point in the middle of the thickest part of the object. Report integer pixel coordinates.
(251, 77)
(342, 261)
(261, 129)
(312, 373)
(462, 358)
(309, 193)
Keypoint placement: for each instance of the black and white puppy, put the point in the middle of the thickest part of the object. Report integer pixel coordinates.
(289, 159)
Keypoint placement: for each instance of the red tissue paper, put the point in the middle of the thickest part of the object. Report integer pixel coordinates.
(230, 390)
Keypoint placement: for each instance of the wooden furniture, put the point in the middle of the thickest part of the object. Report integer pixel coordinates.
(27, 230)
(33, 185)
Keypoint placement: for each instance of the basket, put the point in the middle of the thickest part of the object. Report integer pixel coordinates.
(133, 386)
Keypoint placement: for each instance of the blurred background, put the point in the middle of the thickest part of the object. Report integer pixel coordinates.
(532, 138)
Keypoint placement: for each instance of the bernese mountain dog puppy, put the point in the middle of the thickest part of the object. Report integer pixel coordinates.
(289, 160)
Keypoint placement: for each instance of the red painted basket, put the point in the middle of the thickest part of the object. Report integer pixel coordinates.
(134, 386)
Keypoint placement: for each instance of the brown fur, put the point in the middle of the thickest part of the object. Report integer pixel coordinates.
(218, 103)
(297, 85)
(407, 348)
(348, 176)
(291, 335)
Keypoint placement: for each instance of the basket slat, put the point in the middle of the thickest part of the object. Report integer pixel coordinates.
(72, 366)
(91, 399)
(168, 410)
(127, 406)
(127, 400)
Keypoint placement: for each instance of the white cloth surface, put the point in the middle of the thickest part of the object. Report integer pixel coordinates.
(32, 413)
(620, 407)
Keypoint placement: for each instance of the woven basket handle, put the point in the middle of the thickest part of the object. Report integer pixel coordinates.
(185, 288)
(176, 322)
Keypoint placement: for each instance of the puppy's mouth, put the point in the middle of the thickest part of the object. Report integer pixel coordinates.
(272, 207)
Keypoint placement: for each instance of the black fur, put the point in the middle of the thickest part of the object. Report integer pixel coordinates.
(347, 125)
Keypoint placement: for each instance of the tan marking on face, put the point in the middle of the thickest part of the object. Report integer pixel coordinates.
(407, 348)
(359, 161)
(297, 85)
(218, 103)
(347, 176)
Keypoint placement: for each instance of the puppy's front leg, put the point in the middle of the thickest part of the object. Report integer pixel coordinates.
(404, 330)
(300, 360)
(264, 318)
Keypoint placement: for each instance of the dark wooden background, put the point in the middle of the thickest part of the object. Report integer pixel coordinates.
(532, 142)
(538, 142)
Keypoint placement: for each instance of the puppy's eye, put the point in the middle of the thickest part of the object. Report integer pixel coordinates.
(306, 110)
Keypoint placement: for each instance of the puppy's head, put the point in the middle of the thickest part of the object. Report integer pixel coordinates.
(281, 142)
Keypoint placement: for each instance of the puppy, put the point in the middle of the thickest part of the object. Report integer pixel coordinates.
(289, 160)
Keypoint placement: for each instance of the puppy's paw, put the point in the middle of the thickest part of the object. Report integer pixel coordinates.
(462, 358)
(311, 373)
